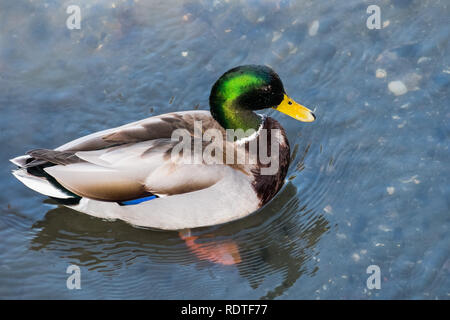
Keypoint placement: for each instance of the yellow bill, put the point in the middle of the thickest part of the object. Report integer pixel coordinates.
(295, 110)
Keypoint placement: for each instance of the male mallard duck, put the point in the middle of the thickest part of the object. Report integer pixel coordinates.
(113, 174)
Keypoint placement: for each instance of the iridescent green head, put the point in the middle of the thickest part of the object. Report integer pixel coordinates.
(241, 90)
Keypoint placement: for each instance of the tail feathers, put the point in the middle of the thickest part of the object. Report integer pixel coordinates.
(40, 184)
(42, 156)
(21, 161)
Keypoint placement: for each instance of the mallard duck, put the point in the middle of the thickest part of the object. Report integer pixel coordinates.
(130, 173)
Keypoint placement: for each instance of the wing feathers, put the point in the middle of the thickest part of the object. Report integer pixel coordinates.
(128, 162)
(95, 182)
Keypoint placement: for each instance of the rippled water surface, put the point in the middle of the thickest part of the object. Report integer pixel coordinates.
(368, 183)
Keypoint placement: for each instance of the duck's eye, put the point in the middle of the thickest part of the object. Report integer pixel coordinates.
(290, 102)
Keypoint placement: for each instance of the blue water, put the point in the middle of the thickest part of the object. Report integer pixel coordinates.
(369, 180)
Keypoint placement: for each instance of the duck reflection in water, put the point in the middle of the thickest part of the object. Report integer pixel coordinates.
(278, 239)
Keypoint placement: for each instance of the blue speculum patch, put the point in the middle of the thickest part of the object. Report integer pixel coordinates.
(137, 201)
